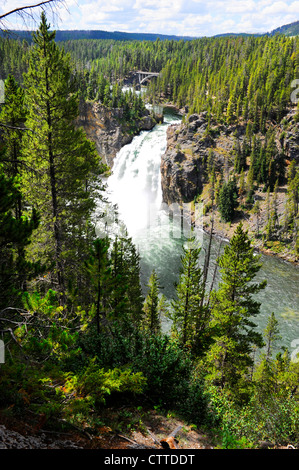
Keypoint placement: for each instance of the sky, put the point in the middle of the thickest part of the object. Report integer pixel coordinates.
(174, 17)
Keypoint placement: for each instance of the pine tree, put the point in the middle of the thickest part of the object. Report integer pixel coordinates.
(271, 335)
(250, 185)
(64, 163)
(228, 200)
(15, 235)
(232, 308)
(189, 313)
(12, 116)
(152, 320)
(99, 270)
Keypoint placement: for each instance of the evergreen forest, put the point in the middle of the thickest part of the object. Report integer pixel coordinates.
(81, 337)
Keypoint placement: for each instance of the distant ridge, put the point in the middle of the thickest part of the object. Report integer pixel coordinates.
(238, 35)
(65, 35)
(291, 29)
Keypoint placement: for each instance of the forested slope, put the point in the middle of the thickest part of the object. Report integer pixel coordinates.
(80, 337)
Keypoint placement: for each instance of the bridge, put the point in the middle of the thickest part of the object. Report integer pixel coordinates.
(144, 76)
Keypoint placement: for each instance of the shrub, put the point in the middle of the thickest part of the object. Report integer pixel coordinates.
(94, 383)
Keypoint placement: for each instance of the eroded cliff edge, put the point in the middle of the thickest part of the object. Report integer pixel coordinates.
(185, 179)
(108, 130)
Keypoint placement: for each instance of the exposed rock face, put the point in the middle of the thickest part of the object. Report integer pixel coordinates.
(104, 127)
(288, 134)
(184, 173)
(188, 146)
(182, 163)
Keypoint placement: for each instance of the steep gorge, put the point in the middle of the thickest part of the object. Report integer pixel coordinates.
(184, 175)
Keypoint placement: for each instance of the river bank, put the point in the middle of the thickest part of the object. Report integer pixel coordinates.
(185, 179)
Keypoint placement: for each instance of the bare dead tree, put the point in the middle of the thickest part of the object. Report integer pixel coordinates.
(28, 12)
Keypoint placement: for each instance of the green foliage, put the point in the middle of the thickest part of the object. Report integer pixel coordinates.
(160, 358)
(64, 163)
(229, 441)
(232, 307)
(189, 314)
(94, 383)
(228, 200)
(249, 77)
(152, 313)
(274, 419)
(84, 338)
(12, 118)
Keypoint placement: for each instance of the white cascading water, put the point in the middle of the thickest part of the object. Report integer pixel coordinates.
(135, 188)
(135, 183)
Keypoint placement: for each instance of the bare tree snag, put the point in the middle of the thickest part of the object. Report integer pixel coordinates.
(170, 442)
(26, 11)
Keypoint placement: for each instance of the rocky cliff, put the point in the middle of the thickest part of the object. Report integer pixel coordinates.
(188, 144)
(107, 129)
(184, 175)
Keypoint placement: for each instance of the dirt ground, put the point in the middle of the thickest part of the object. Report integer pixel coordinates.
(153, 427)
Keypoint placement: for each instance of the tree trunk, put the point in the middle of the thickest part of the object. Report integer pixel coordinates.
(53, 184)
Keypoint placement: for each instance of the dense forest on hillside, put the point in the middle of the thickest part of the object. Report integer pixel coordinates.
(251, 75)
(80, 336)
(291, 29)
(68, 35)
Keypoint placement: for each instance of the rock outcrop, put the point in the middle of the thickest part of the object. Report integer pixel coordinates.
(10, 439)
(288, 135)
(182, 164)
(105, 127)
(189, 143)
(184, 175)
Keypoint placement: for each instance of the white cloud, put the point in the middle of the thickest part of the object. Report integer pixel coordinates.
(236, 6)
(181, 17)
(275, 8)
(103, 6)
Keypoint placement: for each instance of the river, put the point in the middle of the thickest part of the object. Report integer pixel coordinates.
(135, 187)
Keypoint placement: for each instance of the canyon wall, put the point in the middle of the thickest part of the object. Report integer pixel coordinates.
(107, 129)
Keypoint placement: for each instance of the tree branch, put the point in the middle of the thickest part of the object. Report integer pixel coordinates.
(21, 9)
(7, 126)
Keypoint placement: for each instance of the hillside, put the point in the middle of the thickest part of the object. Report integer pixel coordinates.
(291, 29)
(84, 354)
(185, 178)
(65, 35)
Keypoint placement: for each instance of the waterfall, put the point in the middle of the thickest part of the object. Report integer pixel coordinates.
(135, 188)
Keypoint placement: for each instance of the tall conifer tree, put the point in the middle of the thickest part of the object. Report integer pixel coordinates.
(152, 320)
(15, 235)
(232, 309)
(64, 163)
(189, 313)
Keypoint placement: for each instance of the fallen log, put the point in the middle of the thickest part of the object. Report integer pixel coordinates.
(170, 442)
